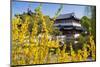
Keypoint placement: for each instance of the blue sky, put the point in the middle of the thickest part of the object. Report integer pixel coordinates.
(48, 8)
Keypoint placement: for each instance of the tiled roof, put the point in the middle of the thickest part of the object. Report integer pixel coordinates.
(65, 16)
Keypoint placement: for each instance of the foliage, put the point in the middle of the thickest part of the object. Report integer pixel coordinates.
(90, 23)
(85, 21)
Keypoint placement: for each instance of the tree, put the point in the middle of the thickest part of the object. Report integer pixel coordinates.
(91, 11)
(85, 21)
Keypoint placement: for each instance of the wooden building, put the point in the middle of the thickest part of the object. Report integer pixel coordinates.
(69, 25)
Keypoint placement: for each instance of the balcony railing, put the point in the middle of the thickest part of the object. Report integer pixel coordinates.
(68, 24)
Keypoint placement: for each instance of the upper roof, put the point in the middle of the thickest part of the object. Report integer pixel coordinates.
(67, 16)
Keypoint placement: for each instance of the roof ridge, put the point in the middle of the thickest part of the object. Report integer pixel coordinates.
(67, 14)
